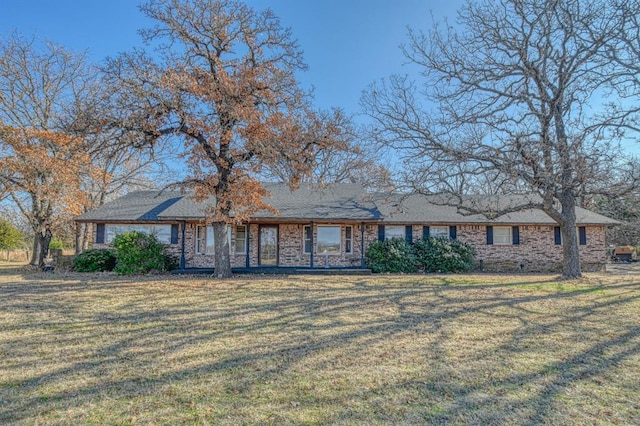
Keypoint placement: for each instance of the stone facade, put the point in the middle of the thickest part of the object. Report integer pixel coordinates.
(536, 252)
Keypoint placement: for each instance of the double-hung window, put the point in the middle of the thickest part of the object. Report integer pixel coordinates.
(204, 240)
(502, 235)
(439, 231)
(241, 239)
(391, 232)
(348, 239)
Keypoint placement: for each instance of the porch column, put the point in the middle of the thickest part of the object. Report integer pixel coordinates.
(362, 260)
(247, 261)
(182, 262)
(311, 248)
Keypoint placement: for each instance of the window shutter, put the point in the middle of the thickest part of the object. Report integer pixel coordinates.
(557, 235)
(515, 234)
(408, 233)
(100, 233)
(489, 235)
(453, 232)
(380, 232)
(582, 232)
(425, 232)
(174, 233)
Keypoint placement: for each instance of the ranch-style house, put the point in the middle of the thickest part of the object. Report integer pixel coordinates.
(332, 226)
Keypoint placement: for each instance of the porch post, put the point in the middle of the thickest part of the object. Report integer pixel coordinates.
(247, 261)
(311, 248)
(184, 225)
(362, 261)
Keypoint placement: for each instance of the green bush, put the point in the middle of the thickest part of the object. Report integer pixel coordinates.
(10, 236)
(428, 255)
(56, 244)
(95, 260)
(441, 254)
(395, 255)
(139, 253)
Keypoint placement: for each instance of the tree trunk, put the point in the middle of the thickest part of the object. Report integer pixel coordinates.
(222, 250)
(44, 239)
(35, 254)
(568, 228)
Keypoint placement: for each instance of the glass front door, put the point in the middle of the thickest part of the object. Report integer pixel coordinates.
(268, 246)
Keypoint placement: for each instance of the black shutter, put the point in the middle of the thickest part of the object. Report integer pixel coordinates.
(174, 233)
(453, 232)
(489, 235)
(408, 233)
(380, 232)
(100, 233)
(515, 234)
(425, 232)
(582, 232)
(557, 235)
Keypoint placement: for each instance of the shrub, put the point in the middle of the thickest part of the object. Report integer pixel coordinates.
(140, 253)
(438, 254)
(56, 244)
(394, 255)
(10, 236)
(428, 255)
(95, 260)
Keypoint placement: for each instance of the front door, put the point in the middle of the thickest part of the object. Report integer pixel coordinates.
(268, 246)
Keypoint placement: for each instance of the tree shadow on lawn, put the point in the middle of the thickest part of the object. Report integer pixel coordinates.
(373, 353)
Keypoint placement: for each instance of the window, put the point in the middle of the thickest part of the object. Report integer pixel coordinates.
(348, 239)
(241, 239)
(161, 232)
(582, 235)
(439, 231)
(391, 232)
(502, 235)
(307, 234)
(329, 239)
(204, 240)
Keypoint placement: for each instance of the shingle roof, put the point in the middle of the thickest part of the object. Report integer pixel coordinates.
(308, 202)
(340, 202)
(418, 208)
(137, 206)
(331, 202)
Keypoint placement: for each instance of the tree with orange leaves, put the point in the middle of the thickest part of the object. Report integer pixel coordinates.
(222, 83)
(43, 158)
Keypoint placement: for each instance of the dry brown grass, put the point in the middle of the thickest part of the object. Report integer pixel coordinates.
(101, 349)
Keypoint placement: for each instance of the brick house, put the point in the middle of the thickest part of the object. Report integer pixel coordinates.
(320, 227)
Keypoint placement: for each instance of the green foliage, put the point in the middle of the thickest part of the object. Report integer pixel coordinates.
(395, 255)
(440, 254)
(10, 236)
(428, 255)
(139, 253)
(56, 244)
(96, 260)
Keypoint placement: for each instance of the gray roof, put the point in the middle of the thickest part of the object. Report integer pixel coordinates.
(337, 202)
(418, 208)
(137, 206)
(343, 202)
(308, 202)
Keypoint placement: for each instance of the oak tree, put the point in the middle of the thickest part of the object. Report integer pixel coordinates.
(42, 158)
(220, 82)
(524, 92)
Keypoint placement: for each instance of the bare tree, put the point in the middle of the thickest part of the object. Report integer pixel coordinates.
(518, 95)
(221, 84)
(351, 163)
(42, 159)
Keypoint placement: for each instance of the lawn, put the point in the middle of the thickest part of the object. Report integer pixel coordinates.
(467, 349)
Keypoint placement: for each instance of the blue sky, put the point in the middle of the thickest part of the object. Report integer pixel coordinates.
(348, 44)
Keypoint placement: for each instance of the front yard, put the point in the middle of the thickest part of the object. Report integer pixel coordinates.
(100, 349)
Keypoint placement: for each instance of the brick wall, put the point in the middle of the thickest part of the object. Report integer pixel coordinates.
(536, 251)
